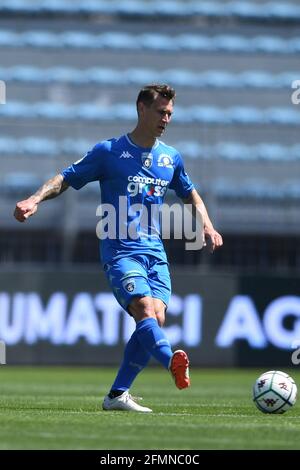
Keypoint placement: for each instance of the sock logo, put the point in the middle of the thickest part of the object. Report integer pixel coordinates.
(161, 342)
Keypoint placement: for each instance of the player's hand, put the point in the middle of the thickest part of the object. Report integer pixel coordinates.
(213, 239)
(25, 209)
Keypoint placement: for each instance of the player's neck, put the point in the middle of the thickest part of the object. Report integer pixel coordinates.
(138, 137)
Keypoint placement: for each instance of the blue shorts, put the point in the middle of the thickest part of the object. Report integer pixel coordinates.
(138, 276)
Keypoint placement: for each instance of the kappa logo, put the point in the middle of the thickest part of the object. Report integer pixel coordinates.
(261, 383)
(147, 159)
(270, 402)
(165, 161)
(125, 154)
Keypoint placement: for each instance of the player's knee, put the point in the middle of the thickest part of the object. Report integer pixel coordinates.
(160, 311)
(141, 308)
(160, 316)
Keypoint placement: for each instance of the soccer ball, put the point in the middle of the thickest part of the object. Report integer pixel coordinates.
(274, 392)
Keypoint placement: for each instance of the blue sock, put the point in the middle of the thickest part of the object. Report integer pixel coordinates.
(152, 337)
(135, 359)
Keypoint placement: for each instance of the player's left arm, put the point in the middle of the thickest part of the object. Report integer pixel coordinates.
(214, 238)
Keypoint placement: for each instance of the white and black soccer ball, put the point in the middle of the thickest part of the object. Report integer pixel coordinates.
(274, 392)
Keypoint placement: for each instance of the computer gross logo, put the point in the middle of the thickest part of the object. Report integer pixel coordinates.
(147, 186)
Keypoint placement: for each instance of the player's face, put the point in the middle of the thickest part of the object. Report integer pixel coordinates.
(158, 115)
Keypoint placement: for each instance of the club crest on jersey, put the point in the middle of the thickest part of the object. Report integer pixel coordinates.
(165, 161)
(129, 285)
(147, 159)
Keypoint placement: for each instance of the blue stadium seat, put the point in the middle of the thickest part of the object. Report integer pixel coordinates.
(102, 76)
(256, 189)
(20, 183)
(174, 8)
(234, 151)
(151, 41)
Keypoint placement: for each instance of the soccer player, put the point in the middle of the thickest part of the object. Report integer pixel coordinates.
(139, 168)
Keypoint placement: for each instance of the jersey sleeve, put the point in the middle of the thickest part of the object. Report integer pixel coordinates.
(181, 182)
(87, 169)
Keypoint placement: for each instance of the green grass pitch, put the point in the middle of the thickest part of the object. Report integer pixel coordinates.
(60, 408)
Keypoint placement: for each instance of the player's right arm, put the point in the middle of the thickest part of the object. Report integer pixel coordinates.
(52, 188)
(87, 169)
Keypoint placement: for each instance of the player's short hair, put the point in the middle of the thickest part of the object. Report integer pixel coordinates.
(149, 93)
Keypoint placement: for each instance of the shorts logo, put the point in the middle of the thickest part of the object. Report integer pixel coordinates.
(147, 159)
(165, 161)
(129, 285)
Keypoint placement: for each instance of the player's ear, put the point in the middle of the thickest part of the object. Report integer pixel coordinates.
(141, 109)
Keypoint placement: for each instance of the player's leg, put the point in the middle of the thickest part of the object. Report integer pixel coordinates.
(127, 278)
(159, 279)
(134, 361)
(153, 338)
(129, 281)
(130, 285)
(149, 333)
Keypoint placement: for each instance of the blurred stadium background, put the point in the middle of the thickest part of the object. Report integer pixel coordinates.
(72, 71)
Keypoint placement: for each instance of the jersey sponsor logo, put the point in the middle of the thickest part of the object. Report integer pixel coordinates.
(125, 154)
(148, 180)
(165, 161)
(146, 185)
(147, 159)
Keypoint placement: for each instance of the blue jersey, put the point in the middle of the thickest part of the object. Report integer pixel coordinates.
(133, 181)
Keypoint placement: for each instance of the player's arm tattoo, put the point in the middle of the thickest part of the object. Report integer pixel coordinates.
(52, 188)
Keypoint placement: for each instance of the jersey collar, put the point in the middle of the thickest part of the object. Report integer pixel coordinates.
(156, 144)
